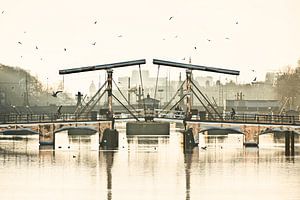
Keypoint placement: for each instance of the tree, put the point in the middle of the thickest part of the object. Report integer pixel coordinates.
(288, 86)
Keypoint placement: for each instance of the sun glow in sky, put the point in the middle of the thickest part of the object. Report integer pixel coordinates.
(243, 35)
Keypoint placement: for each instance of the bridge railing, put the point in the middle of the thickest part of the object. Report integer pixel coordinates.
(47, 117)
(251, 118)
(240, 118)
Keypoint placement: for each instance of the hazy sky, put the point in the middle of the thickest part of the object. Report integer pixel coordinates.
(266, 37)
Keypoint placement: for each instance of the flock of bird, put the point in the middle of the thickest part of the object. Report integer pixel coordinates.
(119, 36)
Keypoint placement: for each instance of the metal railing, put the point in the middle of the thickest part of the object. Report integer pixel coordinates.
(240, 118)
(48, 118)
(253, 118)
(237, 118)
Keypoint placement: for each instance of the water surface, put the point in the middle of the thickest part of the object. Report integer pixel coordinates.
(148, 168)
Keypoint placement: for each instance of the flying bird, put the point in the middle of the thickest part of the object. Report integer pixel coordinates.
(120, 35)
(227, 38)
(94, 43)
(95, 22)
(208, 40)
(65, 49)
(36, 47)
(176, 36)
(195, 47)
(3, 12)
(183, 58)
(236, 22)
(205, 147)
(54, 94)
(171, 18)
(20, 42)
(254, 79)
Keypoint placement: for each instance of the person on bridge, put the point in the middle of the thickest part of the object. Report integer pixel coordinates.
(232, 113)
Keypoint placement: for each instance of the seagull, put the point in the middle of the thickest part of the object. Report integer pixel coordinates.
(171, 18)
(94, 43)
(20, 42)
(205, 147)
(54, 94)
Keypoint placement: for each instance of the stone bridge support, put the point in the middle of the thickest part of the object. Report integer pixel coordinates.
(47, 131)
(251, 132)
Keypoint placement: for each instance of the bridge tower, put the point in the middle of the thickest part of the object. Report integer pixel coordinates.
(109, 93)
(189, 93)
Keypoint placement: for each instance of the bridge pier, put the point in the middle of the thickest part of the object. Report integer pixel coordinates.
(289, 143)
(110, 139)
(47, 132)
(188, 140)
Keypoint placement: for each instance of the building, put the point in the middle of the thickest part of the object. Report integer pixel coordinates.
(255, 106)
(150, 103)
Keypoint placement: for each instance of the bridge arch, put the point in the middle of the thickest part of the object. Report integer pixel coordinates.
(79, 130)
(276, 131)
(221, 131)
(19, 132)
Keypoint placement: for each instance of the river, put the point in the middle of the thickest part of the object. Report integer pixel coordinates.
(148, 168)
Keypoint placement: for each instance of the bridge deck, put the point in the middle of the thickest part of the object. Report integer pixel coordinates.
(238, 119)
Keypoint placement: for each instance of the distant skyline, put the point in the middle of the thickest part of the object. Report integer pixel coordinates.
(252, 36)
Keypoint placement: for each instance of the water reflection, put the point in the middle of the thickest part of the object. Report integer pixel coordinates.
(188, 158)
(109, 159)
(148, 168)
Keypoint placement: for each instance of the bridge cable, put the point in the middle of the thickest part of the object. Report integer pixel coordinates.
(94, 103)
(123, 96)
(155, 89)
(91, 100)
(206, 100)
(141, 79)
(125, 107)
(174, 95)
(210, 114)
(177, 103)
(156, 81)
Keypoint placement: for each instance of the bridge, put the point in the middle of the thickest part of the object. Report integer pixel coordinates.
(209, 121)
